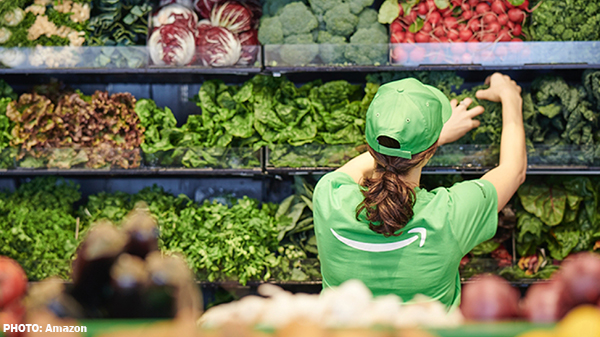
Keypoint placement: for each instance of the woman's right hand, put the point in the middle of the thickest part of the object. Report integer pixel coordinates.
(502, 87)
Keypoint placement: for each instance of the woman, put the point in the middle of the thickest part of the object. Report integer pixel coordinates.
(374, 223)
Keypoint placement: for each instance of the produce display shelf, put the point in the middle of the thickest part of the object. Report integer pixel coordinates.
(135, 71)
(132, 172)
(442, 170)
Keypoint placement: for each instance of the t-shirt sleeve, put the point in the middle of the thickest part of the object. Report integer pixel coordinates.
(330, 184)
(473, 212)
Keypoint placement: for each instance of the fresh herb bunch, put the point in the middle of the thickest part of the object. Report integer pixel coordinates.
(573, 20)
(37, 226)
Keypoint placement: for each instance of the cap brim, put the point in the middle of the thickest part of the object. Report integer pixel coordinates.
(446, 107)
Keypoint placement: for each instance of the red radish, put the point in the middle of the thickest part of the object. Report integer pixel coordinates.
(544, 302)
(422, 9)
(482, 8)
(443, 39)
(516, 15)
(457, 3)
(509, 5)
(465, 34)
(409, 38)
(524, 5)
(439, 31)
(488, 37)
(422, 37)
(465, 7)
(13, 281)
(453, 35)
(467, 15)
(489, 298)
(431, 5)
(417, 55)
(494, 27)
(504, 35)
(410, 18)
(489, 18)
(398, 37)
(450, 23)
(399, 55)
(435, 17)
(447, 12)
(517, 30)
(396, 26)
(498, 7)
(461, 26)
(516, 39)
(474, 25)
(511, 25)
(503, 19)
(401, 14)
(473, 3)
(427, 27)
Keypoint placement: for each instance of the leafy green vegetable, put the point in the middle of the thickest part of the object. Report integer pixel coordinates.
(37, 226)
(574, 20)
(119, 23)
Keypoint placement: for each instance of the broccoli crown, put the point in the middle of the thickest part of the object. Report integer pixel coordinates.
(366, 18)
(296, 18)
(272, 7)
(332, 48)
(575, 20)
(368, 46)
(322, 6)
(340, 21)
(379, 27)
(356, 6)
(270, 31)
(298, 50)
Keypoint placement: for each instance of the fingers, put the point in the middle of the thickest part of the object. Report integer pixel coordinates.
(475, 123)
(453, 103)
(476, 111)
(488, 80)
(483, 94)
(466, 102)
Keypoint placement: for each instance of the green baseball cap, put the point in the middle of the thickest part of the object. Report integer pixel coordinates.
(411, 113)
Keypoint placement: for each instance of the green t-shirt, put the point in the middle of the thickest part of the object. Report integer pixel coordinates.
(424, 259)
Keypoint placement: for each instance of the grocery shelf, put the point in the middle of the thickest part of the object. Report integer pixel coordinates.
(132, 172)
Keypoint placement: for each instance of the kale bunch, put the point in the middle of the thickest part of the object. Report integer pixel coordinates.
(573, 20)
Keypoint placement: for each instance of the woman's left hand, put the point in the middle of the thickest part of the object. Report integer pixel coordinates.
(460, 122)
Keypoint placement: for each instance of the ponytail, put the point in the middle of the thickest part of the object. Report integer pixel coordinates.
(389, 198)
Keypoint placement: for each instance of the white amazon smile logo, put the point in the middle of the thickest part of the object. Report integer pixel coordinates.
(384, 247)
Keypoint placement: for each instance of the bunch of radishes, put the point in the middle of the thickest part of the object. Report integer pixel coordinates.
(459, 21)
(226, 37)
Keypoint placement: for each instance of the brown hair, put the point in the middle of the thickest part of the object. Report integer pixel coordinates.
(389, 200)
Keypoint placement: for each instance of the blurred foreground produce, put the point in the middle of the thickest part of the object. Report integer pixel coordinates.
(350, 305)
(577, 283)
(110, 283)
(13, 284)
